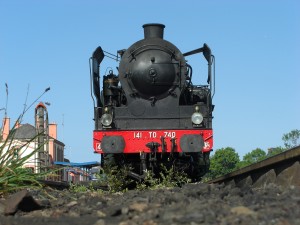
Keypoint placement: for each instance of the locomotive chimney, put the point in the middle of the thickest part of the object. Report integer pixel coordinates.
(153, 30)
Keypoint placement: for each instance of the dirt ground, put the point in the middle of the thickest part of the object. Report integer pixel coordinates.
(192, 204)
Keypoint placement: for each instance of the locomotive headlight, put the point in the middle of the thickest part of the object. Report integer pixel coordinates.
(197, 118)
(106, 119)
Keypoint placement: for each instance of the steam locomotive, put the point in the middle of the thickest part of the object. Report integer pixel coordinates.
(151, 113)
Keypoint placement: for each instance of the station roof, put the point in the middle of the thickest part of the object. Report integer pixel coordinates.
(25, 131)
(81, 165)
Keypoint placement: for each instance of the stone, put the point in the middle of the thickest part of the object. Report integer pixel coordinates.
(242, 210)
(140, 207)
(21, 200)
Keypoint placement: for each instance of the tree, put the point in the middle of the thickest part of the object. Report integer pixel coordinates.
(223, 161)
(275, 151)
(291, 139)
(254, 156)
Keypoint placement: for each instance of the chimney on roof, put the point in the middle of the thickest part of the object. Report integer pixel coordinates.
(53, 130)
(6, 128)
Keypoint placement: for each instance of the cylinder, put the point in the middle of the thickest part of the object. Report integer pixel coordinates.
(153, 30)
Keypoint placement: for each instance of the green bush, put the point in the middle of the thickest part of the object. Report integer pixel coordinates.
(222, 162)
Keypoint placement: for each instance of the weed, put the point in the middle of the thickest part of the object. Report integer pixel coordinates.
(117, 179)
(79, 188)
(167, 178)
(12, 158)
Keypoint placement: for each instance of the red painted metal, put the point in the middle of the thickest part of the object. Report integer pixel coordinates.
(136, 140)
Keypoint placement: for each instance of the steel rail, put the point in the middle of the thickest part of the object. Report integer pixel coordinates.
(282, 169)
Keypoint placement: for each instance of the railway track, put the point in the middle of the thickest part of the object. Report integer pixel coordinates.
(60, 185)
(282, 169)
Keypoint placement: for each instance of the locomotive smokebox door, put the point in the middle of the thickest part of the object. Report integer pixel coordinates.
(152, 68)
(152, 74)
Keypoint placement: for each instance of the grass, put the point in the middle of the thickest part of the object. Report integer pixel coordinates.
(117, 180)
(13, 176)
(79, 188)
(167, 178)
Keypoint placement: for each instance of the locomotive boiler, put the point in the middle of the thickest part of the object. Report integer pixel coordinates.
(149, 112)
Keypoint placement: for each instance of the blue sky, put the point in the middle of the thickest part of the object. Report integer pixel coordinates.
(256, 45)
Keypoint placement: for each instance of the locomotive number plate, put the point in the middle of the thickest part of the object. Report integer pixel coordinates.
(153, 134)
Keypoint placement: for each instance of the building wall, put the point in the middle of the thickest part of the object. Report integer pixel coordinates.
(23, 148)
(56, 150)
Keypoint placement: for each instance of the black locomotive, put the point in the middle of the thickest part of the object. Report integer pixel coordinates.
(151, 113)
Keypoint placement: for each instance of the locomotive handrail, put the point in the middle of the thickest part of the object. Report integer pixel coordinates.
(214, 75)
(111, 56)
